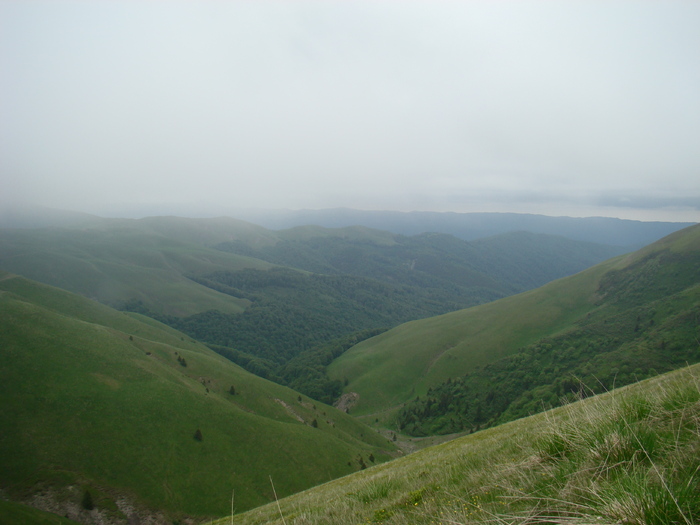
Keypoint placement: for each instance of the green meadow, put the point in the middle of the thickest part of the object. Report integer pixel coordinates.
(267, 299)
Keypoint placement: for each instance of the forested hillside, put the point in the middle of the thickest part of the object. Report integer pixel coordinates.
(647, 322)
(139, 414)
(623, 320)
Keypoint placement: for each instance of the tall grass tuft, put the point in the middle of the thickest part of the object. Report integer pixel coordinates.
(631, 460)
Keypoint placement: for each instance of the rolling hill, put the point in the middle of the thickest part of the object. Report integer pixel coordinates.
(641, 304)
(628, 234)
(149, 422)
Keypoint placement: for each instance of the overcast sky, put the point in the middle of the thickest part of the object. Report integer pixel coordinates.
(559, 108)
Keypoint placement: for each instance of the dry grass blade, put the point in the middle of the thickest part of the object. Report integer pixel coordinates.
(278, 501)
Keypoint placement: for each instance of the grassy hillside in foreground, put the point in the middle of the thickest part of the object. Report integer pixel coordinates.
(658, 283)
(630, 456)
(142, 417)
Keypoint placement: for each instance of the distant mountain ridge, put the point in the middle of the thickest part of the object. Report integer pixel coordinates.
(469, 226)
(629, 234)
(485, 268)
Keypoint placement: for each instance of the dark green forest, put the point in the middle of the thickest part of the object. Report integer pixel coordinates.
(292, 311)
(306, 372)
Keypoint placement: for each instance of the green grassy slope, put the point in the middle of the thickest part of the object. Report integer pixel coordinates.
(118, 264)
(629, 456)
(12, 513)
(403, 363)
(97, 399)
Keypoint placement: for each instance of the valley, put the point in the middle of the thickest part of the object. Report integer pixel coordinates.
(163, 364)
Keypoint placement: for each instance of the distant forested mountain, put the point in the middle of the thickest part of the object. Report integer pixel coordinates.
(469, 226)
(505, 264)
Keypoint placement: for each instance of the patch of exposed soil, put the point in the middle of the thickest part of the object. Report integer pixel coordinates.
(129, 513)
(347, 401)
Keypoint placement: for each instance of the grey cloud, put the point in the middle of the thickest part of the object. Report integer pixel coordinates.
(421, 105)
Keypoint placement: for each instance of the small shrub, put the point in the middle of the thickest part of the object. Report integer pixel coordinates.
(87, 502)
(198, 435)
(382, 515)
